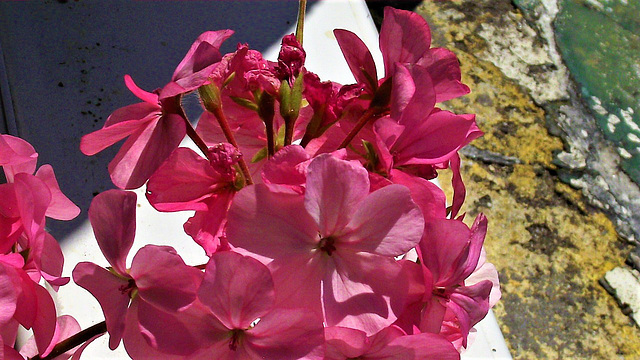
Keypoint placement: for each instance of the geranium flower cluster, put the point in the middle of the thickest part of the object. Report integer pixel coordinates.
(312, 199)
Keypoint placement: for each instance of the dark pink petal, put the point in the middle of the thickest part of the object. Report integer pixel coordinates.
(387, 222)
(27, 304)
(362, 291)
(271, 224)
(33, 198)
(358, 58)
(459, 190)
(139, 93)
(16, 156)
(470, 304)
(417, 347)
(237, 289)
(402, 91)
(61, 207)
(433, 315)
(44, 325)
(110, 291)
(113, 217)
(486, 271)
(145, 150)
(433, 140)
(9, 353)
(9, 332)
(382, 338)
(287, 334)
(183, 182)
(404, 37)
(422, 100)
(427, 195)
(444, 248)
(154, 270)
(334, 188)
(444, 68)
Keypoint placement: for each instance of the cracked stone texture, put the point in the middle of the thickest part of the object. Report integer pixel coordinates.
(549, 245)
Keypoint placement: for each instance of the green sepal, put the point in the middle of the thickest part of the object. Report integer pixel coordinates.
(245, 103)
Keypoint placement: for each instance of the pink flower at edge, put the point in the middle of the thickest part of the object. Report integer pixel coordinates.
(186, 181)
(337, 237)
(152, 277)
(450, 253)
(153, 129)
(240, 293)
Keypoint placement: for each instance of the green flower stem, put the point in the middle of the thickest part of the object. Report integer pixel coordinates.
(302, 9)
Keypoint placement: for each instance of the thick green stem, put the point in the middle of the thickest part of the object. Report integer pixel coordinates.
(75, 340)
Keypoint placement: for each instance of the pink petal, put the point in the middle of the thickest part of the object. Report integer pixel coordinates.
(402, 91)
(362, 291)
(334, 188)
(237, 289)
(139, 93)
(387, 222)
(165, 335)
(287, 334)
(113, 217)
(459, 190)
(298, 281)
(44, 325)
(444, 68)
(27, 304)
(60, 208)
(404, 38)
(423, 99)
(108, 289)
(16, 156)
(154, 270)
(486, 271)
(145, 150)
(122, 123)
(49, 260)
(8, 295)
(271, 224)
(427, 195)
(470, 305)
(358, 58)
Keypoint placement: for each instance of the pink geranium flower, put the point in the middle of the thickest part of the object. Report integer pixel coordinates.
(153, 128)
(186, 181)
(152, 277)
(405, 38)
(332, 248)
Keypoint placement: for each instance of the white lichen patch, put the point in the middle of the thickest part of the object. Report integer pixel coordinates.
(612, 121)
(633, 138)
(624, 153)
(626, 284)
(597, 106)
(627, 117)
(516, 49)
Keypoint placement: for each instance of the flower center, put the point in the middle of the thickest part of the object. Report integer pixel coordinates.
(327, 245)
(236, 336)
(129, 288)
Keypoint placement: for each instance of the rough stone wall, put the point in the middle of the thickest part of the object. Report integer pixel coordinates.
(550, 245)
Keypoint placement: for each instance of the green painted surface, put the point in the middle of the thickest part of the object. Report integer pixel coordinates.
(600, 44)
